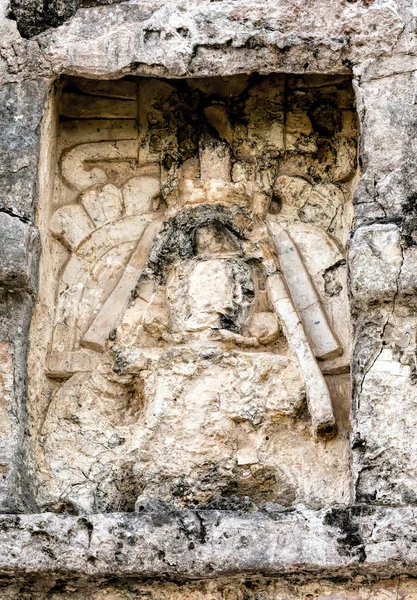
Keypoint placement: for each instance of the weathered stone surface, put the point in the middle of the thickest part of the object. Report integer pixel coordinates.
(206, 38)
(21, 110)
(247, 588)
(18, 253)
(223, 39)
(19, 248)
(387, 188)
(179, 322)
(384, 285)
(376, 39)
(185, 545)
(15, 312)
(34, 16)
(376, 259)
(7, 419)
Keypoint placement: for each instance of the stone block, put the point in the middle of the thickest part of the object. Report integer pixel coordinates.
(8, 429)
(375, 263)
(388, 147)
(21, 110)
(19, 248)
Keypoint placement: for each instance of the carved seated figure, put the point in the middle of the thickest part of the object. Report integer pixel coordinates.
(200, 346)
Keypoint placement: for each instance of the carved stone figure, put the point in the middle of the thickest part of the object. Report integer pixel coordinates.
(188, 331)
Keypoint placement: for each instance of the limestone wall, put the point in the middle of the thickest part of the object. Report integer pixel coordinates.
(207, 298)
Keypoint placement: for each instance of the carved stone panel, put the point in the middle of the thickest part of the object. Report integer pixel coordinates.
(191, 342)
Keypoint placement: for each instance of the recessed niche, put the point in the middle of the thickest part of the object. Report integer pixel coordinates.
(191, 340)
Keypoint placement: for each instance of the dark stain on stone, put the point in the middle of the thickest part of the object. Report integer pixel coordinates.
(48, 552)
(92, 3)
(359, 444)
(332, 285)
(325, 118)
(365, 496)
(62, 508)
(12, 213)
(253, 44)
(192, 526)
(61, 585)
(350, 541)
(409, 227)
(161, 519)
(12, 522)
(228, 503)
(88, 526)
(35, 16)
(176, 241)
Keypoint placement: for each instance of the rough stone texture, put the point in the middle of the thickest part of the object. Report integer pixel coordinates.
(35, 16)
(383, 289)
(374, 40)
(257, 588)
(7, 441)
(172, 327)
(185, 545)
(21, 110)
(216, 38)
(225, 38)
(18, 272)
(18, 253)
(15, 312)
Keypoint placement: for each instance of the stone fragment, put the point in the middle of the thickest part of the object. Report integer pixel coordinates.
(299, 133)
(264, 326)
(21, 109)
(73, 163)
(139, 193)
(115, 305)
(384, 457)
(375, 263)
(217, 116)
(215, 162)
(318, 542)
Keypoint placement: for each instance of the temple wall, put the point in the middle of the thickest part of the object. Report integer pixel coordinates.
(207, 299)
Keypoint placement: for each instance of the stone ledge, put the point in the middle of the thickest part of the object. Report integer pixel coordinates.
(183, 545)
(182, 39)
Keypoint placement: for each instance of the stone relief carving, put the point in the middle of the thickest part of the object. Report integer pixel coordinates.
(200, 302)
